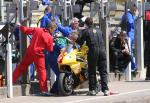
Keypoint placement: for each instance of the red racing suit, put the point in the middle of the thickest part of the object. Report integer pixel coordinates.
(41, 39)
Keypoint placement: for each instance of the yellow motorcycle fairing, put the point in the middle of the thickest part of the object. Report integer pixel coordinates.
(70, 60)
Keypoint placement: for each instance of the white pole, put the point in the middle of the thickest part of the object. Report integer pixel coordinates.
(128, 70)
(9, 71)
(140, 46)
(2, 10)
(107, 36)
(9, 62)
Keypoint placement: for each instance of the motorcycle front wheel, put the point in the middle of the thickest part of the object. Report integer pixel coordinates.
(65, 84)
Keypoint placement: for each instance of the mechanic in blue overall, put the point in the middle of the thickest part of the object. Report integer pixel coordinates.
(60, 48)
(46, 2)
(130, 17)
(46, 18)
(54, 57)
(66, 30)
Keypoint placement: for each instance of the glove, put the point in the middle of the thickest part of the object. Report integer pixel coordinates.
(59, 59)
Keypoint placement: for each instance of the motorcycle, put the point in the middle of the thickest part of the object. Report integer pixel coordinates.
(73, 70)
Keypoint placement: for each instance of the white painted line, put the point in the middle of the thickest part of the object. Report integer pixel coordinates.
(98, 97)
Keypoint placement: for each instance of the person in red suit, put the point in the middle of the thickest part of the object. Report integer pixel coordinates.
(41, 40)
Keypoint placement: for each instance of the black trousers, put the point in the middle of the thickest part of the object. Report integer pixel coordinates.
(147, 58)
(148, 71)
(120, 61)
(81, 4)
(97, 57)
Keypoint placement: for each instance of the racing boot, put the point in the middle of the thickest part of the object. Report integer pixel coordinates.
(92, 93)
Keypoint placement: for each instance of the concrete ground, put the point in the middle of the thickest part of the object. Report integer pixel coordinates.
(128, 92)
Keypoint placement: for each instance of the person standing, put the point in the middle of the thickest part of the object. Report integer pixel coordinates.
(130, 17)
(67, 30)
(41, 39)
(46, 18)
(96, 56)
(46, 2)
(53, 59)
(59, 48)
(147, 43)
(81, 4)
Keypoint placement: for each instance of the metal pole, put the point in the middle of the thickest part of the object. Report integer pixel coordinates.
(2, 10)
(9, 62)
(92, 9)
(28, 39)
(128, 70)
(21, 16)
(102, 9)
(65, 10)
(99, 15)
(9, 71)
(107, 37)
(104, 27)
(140, 45)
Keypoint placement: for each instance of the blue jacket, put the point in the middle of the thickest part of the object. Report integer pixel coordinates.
(45, 2)
(65, 30)
(45, 20)
(130, 22)
(16, 34)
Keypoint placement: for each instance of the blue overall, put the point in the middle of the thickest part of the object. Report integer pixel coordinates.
(16, 34)
(51, 57)
(65, 30)
(45, 20)
(131, 34)
(45, 2)
(52, 60)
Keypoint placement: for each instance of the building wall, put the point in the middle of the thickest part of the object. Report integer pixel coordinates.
(119, 1)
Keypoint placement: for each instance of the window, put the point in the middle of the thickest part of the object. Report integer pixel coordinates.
(8, 0)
